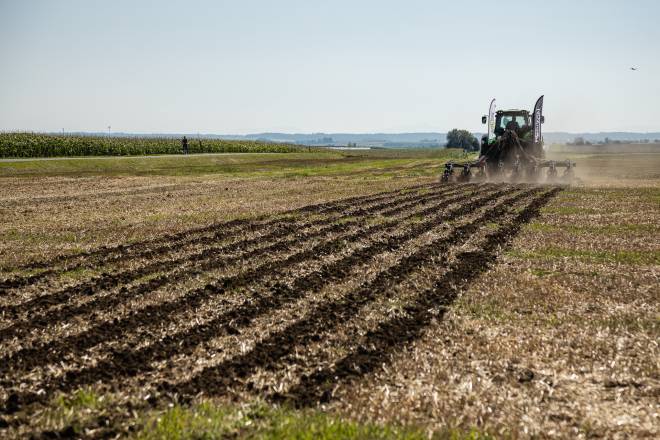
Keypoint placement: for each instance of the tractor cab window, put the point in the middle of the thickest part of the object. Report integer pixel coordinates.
(511, 122)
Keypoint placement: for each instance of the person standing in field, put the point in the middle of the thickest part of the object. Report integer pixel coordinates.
(184, 145)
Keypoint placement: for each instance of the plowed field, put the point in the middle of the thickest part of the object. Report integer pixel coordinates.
(226, 309)
(516, 310)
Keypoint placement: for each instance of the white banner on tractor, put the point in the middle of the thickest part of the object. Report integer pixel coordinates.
(491, 121)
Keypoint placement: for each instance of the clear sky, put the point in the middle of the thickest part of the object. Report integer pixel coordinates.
(249, 66)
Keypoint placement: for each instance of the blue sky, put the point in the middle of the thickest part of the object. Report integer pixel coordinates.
(311, 66)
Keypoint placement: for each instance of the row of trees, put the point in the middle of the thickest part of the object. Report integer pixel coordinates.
(462, 139)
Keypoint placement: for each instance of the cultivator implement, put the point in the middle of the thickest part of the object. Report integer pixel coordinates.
(518, 172)
(511, 151)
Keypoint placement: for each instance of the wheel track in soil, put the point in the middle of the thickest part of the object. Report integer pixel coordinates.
(77, 344)
(392, 335)
(266, 353)
(204, 262)
(98, 284)
(233, 227)
(125, 363)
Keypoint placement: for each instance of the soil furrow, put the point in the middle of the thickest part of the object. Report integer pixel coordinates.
(141, 248)
(391, 335)
(267, 352)
(45, 353)
(128, 362)
(106, 281)
(200, 262)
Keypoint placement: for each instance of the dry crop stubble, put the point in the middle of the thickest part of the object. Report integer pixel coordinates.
(186, 266)
(285, 245)
(443, 204)
(76, 343)
(346, 337)
(168, 242)
(542, 329)
(427, 303)
(85, 213)
(549, 344)
(300, 332)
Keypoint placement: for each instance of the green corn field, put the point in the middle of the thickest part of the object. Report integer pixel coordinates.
(54, 145)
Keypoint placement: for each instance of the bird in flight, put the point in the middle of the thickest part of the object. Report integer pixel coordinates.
(633, 68)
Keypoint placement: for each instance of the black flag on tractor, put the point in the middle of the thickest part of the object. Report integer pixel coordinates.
(538, 120)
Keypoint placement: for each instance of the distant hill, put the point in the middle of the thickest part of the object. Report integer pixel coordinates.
(563, 137)
(392, 140)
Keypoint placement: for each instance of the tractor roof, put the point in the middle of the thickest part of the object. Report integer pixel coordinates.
(512, 112)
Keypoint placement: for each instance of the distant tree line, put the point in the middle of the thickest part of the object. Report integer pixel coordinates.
(462, 139)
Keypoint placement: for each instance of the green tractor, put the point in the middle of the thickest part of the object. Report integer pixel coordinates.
(512, 150)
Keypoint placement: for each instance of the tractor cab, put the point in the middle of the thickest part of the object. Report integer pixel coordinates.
(515, 120)
(519, 121)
